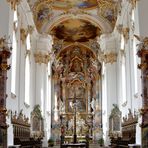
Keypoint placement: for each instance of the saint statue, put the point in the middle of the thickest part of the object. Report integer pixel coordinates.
(93, 102)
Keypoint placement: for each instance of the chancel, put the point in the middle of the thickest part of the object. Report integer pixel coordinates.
(73, 73)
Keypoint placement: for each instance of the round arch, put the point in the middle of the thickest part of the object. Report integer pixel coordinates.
(76, 44)
(98, 21)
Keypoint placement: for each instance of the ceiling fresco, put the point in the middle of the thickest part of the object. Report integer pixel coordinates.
(76, 30)
(45, 12)
(67, 4)
(42, 13)
(74, 3)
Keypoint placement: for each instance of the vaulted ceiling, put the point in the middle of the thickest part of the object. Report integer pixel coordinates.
(75, 26)
(98, 13)
(74, 21)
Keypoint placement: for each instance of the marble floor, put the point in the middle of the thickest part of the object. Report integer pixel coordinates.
(90, 146)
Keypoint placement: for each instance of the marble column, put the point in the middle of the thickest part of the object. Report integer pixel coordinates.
(4, 56)
(143, 54)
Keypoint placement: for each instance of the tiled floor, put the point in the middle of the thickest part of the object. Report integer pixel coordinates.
(90, 146)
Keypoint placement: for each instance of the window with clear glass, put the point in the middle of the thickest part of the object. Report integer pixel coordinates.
(122, 42)
(14, 54)
(134, 55)
(123, 73)
(49, 87)
(123, 68)
(27, 71)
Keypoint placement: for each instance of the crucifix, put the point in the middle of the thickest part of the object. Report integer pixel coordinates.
(75, 126)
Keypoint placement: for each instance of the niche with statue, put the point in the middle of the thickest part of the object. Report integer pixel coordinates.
(37, 125)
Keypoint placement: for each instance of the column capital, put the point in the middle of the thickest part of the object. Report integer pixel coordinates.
(42, 57)
(14, 3)
(110, 57)
(23, 34)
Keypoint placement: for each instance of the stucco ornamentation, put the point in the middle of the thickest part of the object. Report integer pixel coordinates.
(23, 34)
(125, 32)
(14, 3)
(133, 3)
(41, 57)
(107, 57)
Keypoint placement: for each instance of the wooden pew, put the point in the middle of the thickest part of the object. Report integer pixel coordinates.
(128, 133)
(21, 130)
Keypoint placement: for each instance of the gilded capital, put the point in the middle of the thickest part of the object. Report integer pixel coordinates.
(42, 57)
(125, 32)
(30, 29)
(133, 3)
(110, 57)
(107, 57)
(23, 34)
(119, 28)
(14, 3)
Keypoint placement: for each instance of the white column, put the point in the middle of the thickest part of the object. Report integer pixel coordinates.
(42, 58)
(109, 82)
(40, 90)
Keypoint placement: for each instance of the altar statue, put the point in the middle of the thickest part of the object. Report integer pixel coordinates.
(93, 102)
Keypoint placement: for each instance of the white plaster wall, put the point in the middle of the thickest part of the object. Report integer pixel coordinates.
(6, 28)
(134, 103)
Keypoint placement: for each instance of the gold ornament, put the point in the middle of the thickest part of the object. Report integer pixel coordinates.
(23, 34)
(125, 32)
(42, 57)
(14, 3)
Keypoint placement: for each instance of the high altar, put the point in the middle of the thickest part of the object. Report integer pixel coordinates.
(76, 107)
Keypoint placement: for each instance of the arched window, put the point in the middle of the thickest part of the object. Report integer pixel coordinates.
(49, 88)
(122, 45)
(134, 52)
(27, 71)
(14, 54)
(135, 66)
(123, 69)
(123, 74)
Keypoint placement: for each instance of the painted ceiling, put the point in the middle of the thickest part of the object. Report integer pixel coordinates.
(67, 4)
(76, 30)
(75, 26)
(74, 3)
(45, 12)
